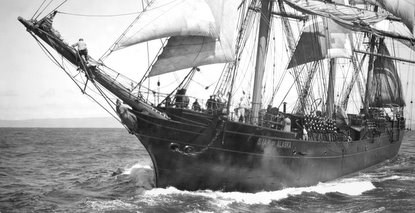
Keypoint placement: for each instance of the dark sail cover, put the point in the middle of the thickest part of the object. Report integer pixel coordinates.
(321, 39)
(311, 46)
(387, 88)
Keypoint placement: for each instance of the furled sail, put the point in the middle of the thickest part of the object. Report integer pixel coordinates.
(190, 51)
(321, 38)
(404, 9)
(164, 18)
(400, 29)
(352, 18)
(387, 88)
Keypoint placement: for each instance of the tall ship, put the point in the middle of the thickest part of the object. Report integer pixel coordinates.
(252, 95)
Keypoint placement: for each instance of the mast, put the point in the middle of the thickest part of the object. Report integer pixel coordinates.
(263, 37)
(369, 79)
(330, 90)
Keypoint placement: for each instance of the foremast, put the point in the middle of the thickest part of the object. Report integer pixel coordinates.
(263, 39)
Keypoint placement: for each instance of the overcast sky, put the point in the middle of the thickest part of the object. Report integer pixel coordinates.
(31, 86)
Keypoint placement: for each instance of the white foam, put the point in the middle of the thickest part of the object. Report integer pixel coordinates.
(352, 187)
(109, 205)
(128, 171)
(380, 209)
(397, 177)
(406, 178)
(384, 177)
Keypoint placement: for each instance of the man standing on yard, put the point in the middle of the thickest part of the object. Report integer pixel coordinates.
(83, 51)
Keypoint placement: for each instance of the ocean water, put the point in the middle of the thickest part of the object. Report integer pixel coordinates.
(72, 170)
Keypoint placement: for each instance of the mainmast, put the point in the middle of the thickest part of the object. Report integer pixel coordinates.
(330, 91)
(263, 38)
(369, 79)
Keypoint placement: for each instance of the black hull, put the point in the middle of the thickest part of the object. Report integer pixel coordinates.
(232, 156)
(194, 151)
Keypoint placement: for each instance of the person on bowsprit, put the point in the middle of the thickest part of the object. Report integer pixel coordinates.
(82, 49)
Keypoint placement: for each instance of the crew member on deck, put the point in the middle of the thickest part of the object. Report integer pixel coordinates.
(196, 106)
(83, 51)
(287, 124)
(305, 133)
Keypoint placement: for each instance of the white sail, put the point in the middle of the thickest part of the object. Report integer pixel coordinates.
(404, 9)
(190, 51)
(165, 18)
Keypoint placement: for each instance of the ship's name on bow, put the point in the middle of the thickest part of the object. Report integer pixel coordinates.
(278, 144)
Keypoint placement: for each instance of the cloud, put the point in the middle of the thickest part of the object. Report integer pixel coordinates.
(48, 93)
(9, 93)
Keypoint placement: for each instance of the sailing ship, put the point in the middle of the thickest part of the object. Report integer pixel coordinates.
(286, 136)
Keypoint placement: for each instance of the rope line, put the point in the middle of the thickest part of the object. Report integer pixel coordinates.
(99, 15)
(55, 61)
(38, 9)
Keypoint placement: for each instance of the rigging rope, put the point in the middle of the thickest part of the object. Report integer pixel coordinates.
(38, 9)
(111, 48)
(55, 61)
(58, 6)
(43, 9)
(96, 15)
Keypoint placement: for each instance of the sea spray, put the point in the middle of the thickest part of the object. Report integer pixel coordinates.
(142, 175)
(128, 170)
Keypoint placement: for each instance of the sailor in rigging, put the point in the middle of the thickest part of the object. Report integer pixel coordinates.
(82, 49)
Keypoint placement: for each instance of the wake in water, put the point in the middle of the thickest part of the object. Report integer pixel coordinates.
(350, 186)
(207, 200)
